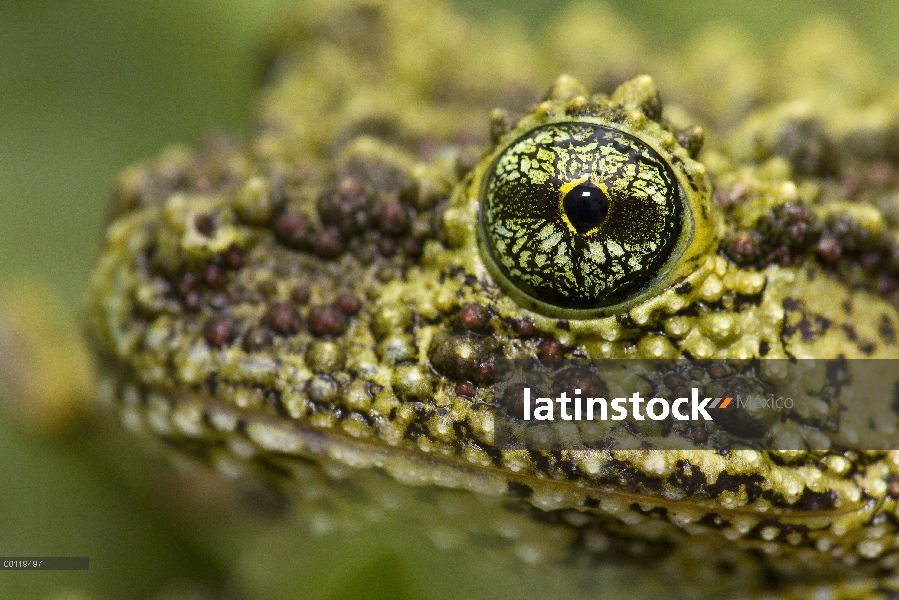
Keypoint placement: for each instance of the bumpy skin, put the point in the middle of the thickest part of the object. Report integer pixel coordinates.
(316, 297)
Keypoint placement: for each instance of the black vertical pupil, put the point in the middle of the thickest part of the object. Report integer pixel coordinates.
(586, 207)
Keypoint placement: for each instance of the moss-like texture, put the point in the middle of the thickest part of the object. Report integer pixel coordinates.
(313, 303)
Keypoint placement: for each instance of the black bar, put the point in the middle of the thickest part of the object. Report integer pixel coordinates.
(729, 404)
(44, 563)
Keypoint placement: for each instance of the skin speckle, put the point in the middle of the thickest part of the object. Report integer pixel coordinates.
(218, 332)
(292, 229)
(300, 294)
(744, 247)
(829, 248)
(524, 327)
(387, 247)
(717, 371)
(325, 320)
(192, 301)
(347, 207)
(347, 303)
(234, 259)
(187, 283)
(893, 487)
(673, 381)
(473, 317)
(465, 388)
(327, 243)
(283, 319)
(393, 218)
(484, 372)
(412, 247)
(215, 276)
(550, 350)
(205, 224)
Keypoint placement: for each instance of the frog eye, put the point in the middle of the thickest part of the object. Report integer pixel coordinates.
(581, 216)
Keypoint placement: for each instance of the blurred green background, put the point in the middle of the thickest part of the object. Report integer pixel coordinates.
(89, 86)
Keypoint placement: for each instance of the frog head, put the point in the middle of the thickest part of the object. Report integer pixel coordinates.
(342, 301)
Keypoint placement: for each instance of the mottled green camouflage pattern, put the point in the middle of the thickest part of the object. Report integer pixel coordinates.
(313, 303)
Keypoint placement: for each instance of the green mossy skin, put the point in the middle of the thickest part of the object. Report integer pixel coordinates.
(363, 177)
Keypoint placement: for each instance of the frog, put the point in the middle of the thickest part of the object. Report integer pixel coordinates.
(321, 304)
